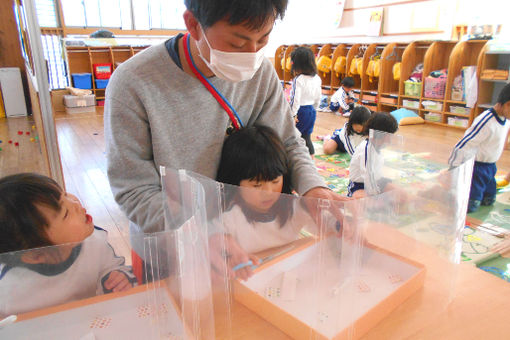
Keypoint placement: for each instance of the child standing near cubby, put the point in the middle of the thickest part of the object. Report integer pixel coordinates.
(346, 140)
(486, 137)
(379, 121)
(343, 98)
(306, 92)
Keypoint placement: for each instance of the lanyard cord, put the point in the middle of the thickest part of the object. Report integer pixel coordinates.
(234, 117)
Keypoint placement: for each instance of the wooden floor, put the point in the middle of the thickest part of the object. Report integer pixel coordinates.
(81, 142)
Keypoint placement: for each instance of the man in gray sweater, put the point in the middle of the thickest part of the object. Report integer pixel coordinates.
(158, 113)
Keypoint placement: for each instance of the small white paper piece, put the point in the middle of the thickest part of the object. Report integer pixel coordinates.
(289, 284)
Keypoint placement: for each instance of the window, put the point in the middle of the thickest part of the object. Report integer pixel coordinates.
(57, 74)
(147, 14)
(46, 13)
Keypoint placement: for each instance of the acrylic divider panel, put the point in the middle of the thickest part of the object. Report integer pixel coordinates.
(433, 196)
(67, 294)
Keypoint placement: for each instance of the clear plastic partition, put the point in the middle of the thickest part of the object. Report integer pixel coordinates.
(85, 290)
(421, 201)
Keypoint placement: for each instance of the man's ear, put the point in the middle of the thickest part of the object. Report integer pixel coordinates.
(192, 25)
(33, 257)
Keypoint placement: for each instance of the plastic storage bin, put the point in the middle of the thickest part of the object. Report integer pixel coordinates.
(101, 83)
(82, 80)
(455, 121)
(460, 109)
(102, 71)
(430, 105)
(414, 104)
(412, 88)
(432, 116)
(79, 101)
(435, 87)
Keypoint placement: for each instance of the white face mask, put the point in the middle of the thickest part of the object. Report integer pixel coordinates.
(232, 66)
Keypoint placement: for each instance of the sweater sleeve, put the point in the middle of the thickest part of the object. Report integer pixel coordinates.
(133, 176)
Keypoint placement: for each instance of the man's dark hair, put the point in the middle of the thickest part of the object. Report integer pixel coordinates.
(504, 95)
(253, 14)
(348, 82)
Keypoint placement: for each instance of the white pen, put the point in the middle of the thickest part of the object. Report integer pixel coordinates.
(8, 320)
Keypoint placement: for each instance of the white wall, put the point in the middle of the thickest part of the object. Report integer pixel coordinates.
(313, 21)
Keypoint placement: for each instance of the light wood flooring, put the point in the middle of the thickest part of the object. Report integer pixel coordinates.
(81, 142)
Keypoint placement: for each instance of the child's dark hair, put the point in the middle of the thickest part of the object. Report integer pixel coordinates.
(504, 95)
(22, 225)
(303, 62)
(348, 82)
(380, 121)
(359, 115)
(255, 153)
(253, 14)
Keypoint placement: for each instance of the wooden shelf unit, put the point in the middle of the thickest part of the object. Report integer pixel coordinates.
(369, 89)
(388, 86)
(279, 55)
(326, 50)
(436, 57)
(341, 50)
(488, 89)
(353, 51)
(80, 59)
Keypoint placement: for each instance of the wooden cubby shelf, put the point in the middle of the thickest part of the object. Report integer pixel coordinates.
(385, 93)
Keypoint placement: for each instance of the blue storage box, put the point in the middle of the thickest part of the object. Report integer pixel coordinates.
(101, 83)
(82, 80)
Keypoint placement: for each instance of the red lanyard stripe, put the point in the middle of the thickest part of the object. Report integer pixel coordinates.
(208, 86)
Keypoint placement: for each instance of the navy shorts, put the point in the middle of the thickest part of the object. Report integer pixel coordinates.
(306, 119)
(353, 187)
(336, 137)
(483, 183)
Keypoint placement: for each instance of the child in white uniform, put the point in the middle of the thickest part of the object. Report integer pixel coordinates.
(306, 92)
(257, 215)
(487, 137)
(343, 99)
(379, 121)
(36, 213)
(346, 140)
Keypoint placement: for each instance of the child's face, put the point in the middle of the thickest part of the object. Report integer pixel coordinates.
(505, 110)
(70, 224)
(263, 199)
(357, 128)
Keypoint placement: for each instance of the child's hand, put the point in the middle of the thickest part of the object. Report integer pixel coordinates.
(296, 120)
(117, 282)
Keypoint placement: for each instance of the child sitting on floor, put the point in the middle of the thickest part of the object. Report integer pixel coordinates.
(343, 99)
(350, 136)
(73, 259)
(257, 215)
(487, 137)
(379, 121)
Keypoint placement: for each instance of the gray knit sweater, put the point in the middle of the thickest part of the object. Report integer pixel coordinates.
(156, 114)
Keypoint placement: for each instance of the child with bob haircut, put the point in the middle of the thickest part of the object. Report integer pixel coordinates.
(346, 140)
(255, 158)
(36, 213)
(379, 121)
(487, 137)
(306, 92)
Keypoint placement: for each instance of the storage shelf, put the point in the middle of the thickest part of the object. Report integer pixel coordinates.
(386, 104)
(457, 114)
(434, 111)
(393, 95)
(456, 102)
(495, 80)
(410, 97)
